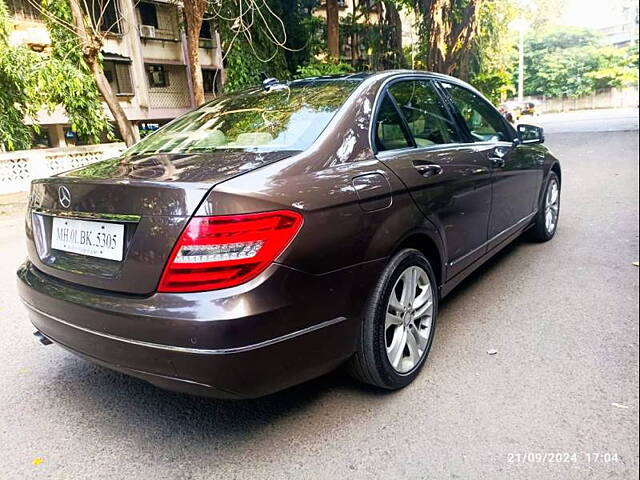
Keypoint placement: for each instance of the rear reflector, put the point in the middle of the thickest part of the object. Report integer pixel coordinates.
(221, 252)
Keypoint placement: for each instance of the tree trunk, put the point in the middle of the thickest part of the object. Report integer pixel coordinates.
(448, 31)
(194, 11)
(355, 53)
(127, 130)
(91, 46)
(333, 33)
(394, 22)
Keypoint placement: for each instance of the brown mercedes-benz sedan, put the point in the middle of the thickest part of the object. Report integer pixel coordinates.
(272, 235)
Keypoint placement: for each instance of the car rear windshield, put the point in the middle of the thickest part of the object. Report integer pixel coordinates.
(282, 117)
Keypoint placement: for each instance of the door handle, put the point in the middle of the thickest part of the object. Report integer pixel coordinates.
(427, 169)
(497, 156)
(497, 161)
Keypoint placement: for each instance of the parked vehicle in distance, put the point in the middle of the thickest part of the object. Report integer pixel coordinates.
(507, 114)
(272, 235)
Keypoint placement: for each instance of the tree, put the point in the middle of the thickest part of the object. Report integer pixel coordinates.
(447, 29)
(333, 29)
(302, 42)
(317, 69)
(194, 11)
(375, 41)
(572, 62)
(90, 29)
(542, 15)
(254, 40)
(66, 79)
(34, 81)
(17, 96)
(393, 23)
(91, 36)
(490, 68)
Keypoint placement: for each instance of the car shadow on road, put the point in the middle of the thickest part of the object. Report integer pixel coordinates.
(484, 270)
(123, 404)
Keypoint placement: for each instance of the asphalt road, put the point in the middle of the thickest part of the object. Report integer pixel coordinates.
(587, 121)
(563, 317)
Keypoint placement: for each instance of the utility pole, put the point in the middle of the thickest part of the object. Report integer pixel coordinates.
(520, 25)
(521, 67)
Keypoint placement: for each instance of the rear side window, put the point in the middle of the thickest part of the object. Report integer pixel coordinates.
(390, 133)
(424, 112)
(483, 121)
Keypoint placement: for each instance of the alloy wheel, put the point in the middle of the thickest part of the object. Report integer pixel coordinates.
(552, 206)
(409, 319)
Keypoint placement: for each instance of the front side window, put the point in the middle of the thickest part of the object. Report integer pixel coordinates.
(281, 118)
(483, 121)
(424, 112)
(390, 133)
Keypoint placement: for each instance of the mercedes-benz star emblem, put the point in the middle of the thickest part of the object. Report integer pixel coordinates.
(64, 195)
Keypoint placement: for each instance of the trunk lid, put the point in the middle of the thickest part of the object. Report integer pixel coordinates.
(152, 197)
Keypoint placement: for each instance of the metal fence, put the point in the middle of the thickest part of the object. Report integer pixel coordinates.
(18, 168)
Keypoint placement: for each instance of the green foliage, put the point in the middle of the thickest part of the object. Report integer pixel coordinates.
(542, 15)
(372, 42)
(490, 69)
(617, 67)
(315, 38)
(317, 68)
(571, 62)
(104, 169)
(18, 96)
(369, 47)
(494, 85)
(67, 78)
(253, 53)
(32, 81)
(561, 38)
(303, 31)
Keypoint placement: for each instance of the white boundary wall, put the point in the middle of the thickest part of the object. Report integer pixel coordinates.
(609, 98)
(18, 168)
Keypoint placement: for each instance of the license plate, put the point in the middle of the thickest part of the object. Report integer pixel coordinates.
(95, 239)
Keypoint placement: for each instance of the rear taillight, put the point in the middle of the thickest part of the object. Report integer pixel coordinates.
(220, 252)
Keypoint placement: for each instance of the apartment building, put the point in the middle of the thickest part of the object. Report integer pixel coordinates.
(619, 35)
(145, 61)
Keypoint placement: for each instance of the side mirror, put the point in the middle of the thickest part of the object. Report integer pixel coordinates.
(529, 134)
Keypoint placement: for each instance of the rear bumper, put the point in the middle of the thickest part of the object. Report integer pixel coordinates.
(279, 330)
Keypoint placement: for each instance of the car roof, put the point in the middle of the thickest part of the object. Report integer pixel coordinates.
(359, 76)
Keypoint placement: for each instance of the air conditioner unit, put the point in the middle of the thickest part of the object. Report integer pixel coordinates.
(148, 31)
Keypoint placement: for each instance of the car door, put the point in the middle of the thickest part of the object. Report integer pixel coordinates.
(516, 168)
(415, 136)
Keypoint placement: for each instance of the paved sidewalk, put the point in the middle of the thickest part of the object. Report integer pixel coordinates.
(13, 203)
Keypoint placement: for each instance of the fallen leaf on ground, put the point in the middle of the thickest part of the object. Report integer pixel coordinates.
(37, 461)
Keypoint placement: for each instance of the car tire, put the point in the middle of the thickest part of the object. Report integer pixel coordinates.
(542, 230)
(371, 363)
